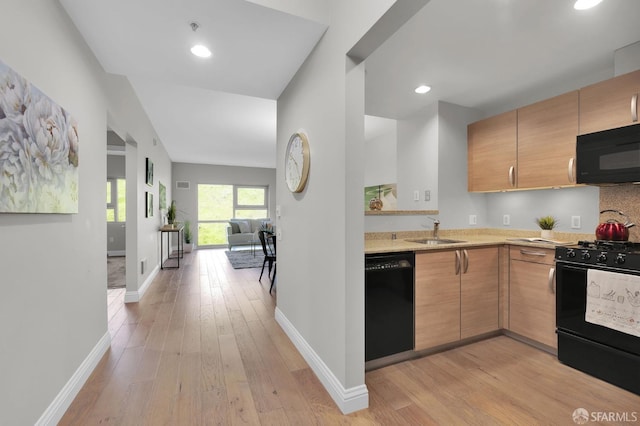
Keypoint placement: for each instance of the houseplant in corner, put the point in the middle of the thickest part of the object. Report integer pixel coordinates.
(188, 243)
(546, 224)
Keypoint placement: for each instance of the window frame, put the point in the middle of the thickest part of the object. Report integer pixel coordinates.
(113, 203)
(235, 208)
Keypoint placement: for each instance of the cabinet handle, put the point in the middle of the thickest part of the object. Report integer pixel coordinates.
(570, 170)
(552, 275)
(532, 253)
(634, 108)
(457, 262)
(512, 176)
(465, 255)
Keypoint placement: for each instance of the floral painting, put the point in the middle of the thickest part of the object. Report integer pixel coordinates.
(38, 150)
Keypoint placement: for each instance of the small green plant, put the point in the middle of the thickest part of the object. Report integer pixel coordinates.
(171, 212)
(187, 232)
(546, 222)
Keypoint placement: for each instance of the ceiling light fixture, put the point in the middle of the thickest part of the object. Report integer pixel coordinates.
(199, 50)
(422, 89)
(585, 4)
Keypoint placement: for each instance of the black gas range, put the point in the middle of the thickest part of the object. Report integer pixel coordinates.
(623, 255)
(584, 275)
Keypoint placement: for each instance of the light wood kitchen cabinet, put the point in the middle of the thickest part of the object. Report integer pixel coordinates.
(532, 299)
(491, 153)
(437, 299)
(479, 307)
(609, 104)
(456, 295)
(547, 133)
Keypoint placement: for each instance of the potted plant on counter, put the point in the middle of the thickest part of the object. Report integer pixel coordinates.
(188, 242)
(547, 224)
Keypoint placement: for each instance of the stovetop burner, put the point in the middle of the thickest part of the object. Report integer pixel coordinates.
(614, 246)
(614, 254)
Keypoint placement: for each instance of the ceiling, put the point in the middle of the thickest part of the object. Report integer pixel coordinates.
(483, 54)
(219, 110)
(494, 53)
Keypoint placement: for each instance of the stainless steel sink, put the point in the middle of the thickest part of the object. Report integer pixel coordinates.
(433, 241)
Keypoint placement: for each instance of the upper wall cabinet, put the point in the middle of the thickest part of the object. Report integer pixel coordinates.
(610, 104)
(547, 133)
(492, 156)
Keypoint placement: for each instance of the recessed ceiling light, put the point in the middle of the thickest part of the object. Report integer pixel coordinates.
(585, 4)
(422, 89)
(201, 51)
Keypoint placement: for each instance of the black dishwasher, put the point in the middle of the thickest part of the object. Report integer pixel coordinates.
(388, 322)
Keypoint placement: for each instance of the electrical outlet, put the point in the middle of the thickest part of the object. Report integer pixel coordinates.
(427, 195)
(473, 219)
(506, 220)
(575, 222)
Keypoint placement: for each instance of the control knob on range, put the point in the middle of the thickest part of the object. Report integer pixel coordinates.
(620, 259)
(571, 253)
(602, 257)
(586, 255)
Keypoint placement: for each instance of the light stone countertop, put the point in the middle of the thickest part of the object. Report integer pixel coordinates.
(382, 242)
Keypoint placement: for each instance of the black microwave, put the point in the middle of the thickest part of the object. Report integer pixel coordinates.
(609, 156)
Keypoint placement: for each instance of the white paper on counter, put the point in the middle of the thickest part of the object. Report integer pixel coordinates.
(613, 301)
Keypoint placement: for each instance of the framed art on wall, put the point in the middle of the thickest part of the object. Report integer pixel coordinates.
(162, 193)
(149, 179)
(39, 151)
(149, 205)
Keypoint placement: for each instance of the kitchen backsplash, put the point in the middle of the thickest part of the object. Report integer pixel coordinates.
(625, 198)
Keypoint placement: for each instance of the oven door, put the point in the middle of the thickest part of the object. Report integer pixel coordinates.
(571, 303)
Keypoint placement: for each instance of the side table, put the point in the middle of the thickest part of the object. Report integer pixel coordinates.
(168, 230)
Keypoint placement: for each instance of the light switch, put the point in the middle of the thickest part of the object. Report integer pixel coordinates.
(279, 234)
(278, 211)
(427, 195)
(473, 219)
(416, 195)
(506, 220)
(575, 222)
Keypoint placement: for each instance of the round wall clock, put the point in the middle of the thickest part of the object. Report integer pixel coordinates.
(296, 162)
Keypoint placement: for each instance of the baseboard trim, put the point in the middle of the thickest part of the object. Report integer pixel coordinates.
(348, 400)
(65, 397)
(136, 296)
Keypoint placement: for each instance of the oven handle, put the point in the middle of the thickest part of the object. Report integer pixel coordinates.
(552, 276)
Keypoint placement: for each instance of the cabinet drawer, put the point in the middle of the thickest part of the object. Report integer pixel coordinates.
(532, 254)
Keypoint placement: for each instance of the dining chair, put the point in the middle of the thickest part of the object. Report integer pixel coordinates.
(269, 257)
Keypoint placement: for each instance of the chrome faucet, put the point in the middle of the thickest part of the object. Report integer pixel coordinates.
(436, 227)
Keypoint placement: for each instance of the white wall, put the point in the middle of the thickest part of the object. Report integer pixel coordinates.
(418, 160)
(455, 203)
(53, 313)
(53, 307)
(524, 206)
(320, 258)
(380, 158)
(128, 119)
(187, 199)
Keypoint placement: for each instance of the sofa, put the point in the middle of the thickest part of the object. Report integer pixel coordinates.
(242, 232)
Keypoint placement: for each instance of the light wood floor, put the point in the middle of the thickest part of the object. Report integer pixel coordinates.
(202, 347)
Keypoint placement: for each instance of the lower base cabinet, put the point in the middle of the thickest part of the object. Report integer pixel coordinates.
(456, 295)
(532, 299)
